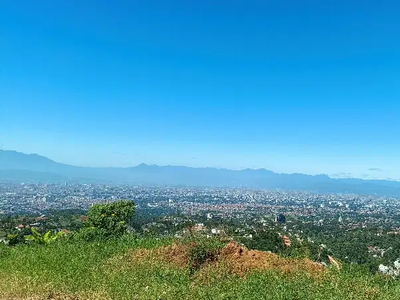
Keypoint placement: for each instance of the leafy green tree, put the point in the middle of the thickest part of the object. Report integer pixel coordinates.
(112, 218)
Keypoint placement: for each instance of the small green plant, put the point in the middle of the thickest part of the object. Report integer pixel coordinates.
(13, 239)
(43, 239)
(202, 253)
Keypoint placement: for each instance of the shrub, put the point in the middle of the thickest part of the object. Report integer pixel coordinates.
(201, 253)
(111, 219)
(90, 234)
(44, 239)
(266, 240)
(14, 239)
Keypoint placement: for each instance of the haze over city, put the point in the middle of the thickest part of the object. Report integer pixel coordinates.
(304, 87)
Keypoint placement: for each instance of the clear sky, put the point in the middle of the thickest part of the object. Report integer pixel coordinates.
(291, 86)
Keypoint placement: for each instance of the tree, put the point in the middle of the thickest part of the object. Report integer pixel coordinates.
(111, 218)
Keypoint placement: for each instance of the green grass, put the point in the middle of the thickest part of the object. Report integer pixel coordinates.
(97, 271)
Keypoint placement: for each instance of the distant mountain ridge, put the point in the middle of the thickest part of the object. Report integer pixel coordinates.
(17, 166)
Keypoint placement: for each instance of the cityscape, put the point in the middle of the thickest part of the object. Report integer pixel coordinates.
(37, 198)
(329, 220)
(224, 203)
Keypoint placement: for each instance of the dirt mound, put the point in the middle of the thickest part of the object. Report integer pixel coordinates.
(241, 260)
(177, 254)
(234, 258)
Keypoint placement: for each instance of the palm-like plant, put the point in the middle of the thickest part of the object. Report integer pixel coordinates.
(44, 239)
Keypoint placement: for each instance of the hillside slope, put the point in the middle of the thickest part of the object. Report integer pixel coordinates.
(131, 268)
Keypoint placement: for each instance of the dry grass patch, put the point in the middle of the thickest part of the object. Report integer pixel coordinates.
(22, 287)
(57, 296)
(232, 259)
(240, 260)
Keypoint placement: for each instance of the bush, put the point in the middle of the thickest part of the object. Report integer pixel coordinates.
(110, 219)
(203, 252)
(90, 234)
(266, 240)
(15, 239)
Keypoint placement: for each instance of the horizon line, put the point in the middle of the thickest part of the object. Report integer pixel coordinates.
(331, 176)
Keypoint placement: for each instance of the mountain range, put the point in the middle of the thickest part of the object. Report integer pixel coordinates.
(21, 167)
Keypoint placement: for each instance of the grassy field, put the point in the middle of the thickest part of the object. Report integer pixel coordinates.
(130, 268)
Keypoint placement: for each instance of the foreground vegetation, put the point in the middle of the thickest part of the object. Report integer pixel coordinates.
(94, 270)
(102, 260)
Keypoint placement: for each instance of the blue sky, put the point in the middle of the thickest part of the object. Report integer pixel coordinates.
(291, 86)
